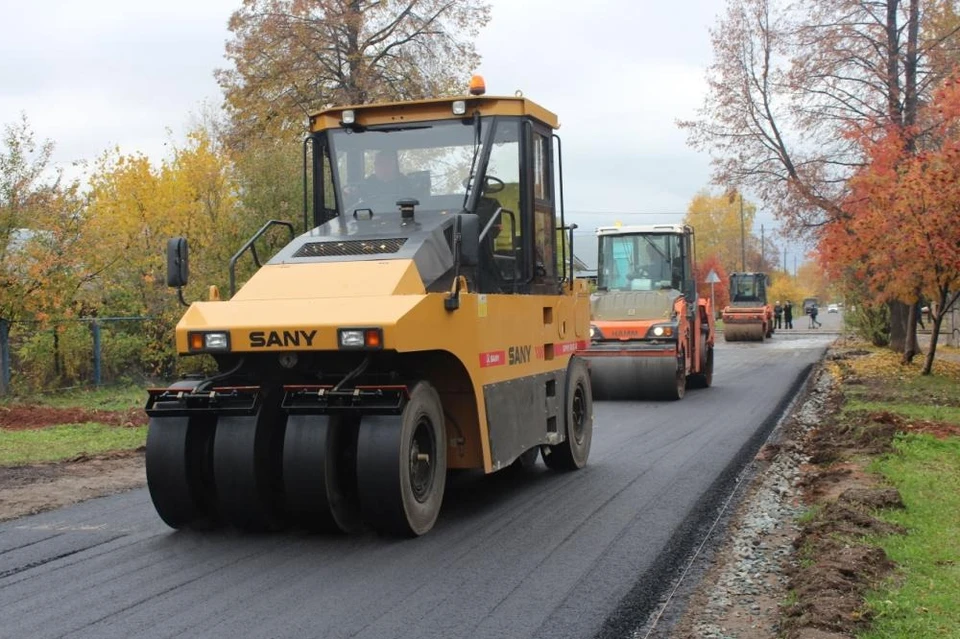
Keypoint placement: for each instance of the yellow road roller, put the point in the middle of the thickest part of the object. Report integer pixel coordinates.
(427, 318)
(651, 334)
(748, 317)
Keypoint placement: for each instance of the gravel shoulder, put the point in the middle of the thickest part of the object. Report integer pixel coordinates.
(743, 572)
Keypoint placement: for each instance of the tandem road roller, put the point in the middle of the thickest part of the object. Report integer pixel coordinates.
(425, 320)
(748, 317)
(651, 334)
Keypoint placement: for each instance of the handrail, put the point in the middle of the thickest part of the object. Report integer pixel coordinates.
(493, 218)
(253, 250)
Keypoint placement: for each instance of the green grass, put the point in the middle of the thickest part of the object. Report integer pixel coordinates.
(112, 398)
(921, 601)
(64, 442)
(949, 414)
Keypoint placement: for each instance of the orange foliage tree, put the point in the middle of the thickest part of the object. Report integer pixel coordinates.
(901, 236)
(721, 290)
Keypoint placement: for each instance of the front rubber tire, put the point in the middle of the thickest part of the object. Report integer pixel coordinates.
(400, 491)
(319, 472)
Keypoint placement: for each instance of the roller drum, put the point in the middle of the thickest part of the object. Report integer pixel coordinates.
(626, 377)
(743, 332)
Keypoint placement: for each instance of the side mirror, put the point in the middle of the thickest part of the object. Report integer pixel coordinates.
(177, 262)
(469, 240)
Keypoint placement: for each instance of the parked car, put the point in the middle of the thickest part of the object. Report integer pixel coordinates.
(833, 308)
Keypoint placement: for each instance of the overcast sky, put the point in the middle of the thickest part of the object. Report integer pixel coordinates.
(619, 73)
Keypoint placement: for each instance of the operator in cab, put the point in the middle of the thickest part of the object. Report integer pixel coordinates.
(386, 182)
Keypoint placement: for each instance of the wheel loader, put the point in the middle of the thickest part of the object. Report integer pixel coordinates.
(748, 317)
(651, 334)
(425, 320)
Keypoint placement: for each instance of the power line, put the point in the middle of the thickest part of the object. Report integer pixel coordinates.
(622, 213)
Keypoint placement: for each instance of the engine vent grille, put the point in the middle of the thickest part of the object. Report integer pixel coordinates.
(351, 247)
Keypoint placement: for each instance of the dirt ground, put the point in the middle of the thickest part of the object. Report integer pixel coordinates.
(25, 416)
(34, 488)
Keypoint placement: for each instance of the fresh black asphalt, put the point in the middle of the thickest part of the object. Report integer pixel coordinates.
(515, 554)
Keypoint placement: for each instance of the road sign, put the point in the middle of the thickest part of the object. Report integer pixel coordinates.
(712, 277)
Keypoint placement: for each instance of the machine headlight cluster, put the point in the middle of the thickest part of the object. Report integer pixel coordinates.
(360, 338)
(662, 330)
(208, 341)
(348, 117)
(595, 332)
(459, 107)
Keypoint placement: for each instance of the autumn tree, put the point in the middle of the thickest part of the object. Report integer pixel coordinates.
(291, 57)
(41, 217)
(136, 206)
(789, 79)
(909, 190)
(785, 287)
(719, 291)
(723, 225)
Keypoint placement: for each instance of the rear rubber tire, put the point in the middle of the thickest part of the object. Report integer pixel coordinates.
(678, 389)
(319, 472)
(247, 458)
(400, 493)
(705, 378)
(572, 453)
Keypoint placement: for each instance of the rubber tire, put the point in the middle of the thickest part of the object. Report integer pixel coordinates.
(679, 387)
(179, 477)
(384, 447)
(247, 463)
(573, 452)
(319, 472)
(178, 462)
(527, 459)
(704, 379)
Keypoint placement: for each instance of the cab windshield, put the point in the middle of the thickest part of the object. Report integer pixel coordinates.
(748, 288)
(640, 262)
(430, 162)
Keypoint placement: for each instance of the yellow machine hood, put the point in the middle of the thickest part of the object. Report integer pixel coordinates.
(319, 280)
(302, 305)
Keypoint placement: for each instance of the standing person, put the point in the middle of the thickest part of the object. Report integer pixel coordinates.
(813, 317)
(788, 315)
(777, 315)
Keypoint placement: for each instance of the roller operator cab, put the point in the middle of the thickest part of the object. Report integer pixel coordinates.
(426, 320)
(651, 334)
(748, 317)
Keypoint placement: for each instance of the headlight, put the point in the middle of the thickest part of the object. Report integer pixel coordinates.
(459, 107)
(662, 330)
(200, 341)
(371, 338)
(595, 332)
(351, 339)
(348, 116)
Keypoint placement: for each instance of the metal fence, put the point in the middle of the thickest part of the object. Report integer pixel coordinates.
(90, 351)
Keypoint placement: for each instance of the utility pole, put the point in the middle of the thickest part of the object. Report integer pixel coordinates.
(743, 241)
(762, 265)
(785, 260)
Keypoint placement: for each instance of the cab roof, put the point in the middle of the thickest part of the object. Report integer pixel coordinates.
(432, 109)
(636, 229)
